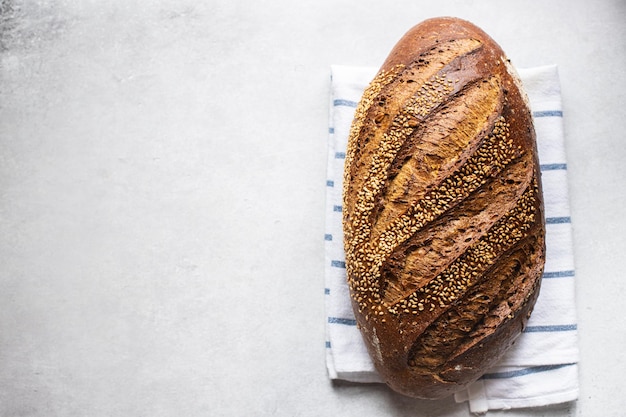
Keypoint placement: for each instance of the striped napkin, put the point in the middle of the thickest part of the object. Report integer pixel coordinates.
(541, 369)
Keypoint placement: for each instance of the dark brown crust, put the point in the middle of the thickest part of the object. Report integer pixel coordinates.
(443, 212)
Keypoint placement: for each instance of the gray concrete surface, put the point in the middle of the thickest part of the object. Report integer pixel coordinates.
(162, 179)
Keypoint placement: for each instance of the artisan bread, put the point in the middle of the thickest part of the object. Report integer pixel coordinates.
(442, 210)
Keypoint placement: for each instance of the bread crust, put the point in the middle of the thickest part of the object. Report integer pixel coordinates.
(443, 219)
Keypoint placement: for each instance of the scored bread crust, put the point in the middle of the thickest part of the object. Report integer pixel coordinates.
(444, 229)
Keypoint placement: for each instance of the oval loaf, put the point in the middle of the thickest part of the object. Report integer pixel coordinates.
(442, 210)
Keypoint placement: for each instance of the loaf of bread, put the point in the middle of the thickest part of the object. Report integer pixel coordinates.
(444, 230)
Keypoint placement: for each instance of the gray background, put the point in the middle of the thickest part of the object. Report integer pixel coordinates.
(162, 180)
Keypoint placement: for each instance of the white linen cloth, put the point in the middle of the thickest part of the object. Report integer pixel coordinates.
(541, 368)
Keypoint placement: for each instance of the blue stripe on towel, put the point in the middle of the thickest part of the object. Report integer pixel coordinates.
(342, 102)
(552, 167)
(558, 274)
(558, 220)
(548, 113)
(330, 183)
(328, 236)
(338, 264)
(525, 371)
(551, 328)
(339, 320)
(337, 209)
(340, 155)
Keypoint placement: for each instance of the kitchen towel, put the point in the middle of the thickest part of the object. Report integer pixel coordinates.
(542, 367)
